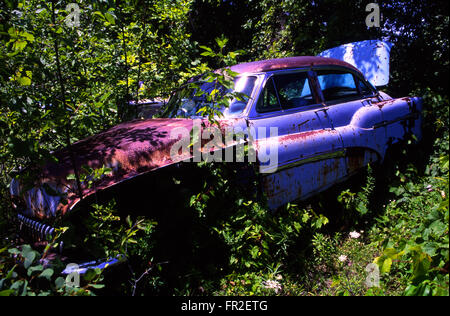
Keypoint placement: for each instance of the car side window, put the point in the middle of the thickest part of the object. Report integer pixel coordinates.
(293, 90)
(285, 91)
(337, 85)
(268, 100)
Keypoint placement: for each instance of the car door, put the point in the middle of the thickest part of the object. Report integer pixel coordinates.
(309, 154)
(350, 103)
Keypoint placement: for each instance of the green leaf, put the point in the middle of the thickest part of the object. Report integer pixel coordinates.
(221, 42)
(254, 252)
(14, 251)
(392, 253)
(297, 226)
(29, 255)
(11, 273)
(305, 217)
(16, 286)
(426, 290)
(128, 220)
(24, 81)
(421, 264)
(90, 275)
(386, 266)
(110, 18)
(430, 248)
(47, 273)
(208, 54)
(34, 269)
(12, 31)
(99, 14)
(59, 282)
(28, 36)
(8, 292)
(438, 227)
(361, 208)
(19, 45)
(411, 290)
(206, 48)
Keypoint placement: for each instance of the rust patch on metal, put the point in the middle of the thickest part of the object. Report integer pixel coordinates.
(300, 137)
(130, 149)
(355, 159)
(270, 186)
(288, 63)
(387, 102)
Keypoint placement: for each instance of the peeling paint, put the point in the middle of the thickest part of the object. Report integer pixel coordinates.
(318, 146)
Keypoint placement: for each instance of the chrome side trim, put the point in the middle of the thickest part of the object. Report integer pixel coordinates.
(326, 155)
(414, 116)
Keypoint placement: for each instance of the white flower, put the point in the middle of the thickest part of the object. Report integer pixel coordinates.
(355, 235)
(279, 277)
(269, 284)
(342, 258)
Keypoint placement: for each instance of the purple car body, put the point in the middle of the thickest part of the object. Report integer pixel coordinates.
(330, 123)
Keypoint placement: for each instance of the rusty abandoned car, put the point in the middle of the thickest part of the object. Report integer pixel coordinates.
(331, 121)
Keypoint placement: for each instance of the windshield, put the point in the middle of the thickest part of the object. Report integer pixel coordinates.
(187, 101)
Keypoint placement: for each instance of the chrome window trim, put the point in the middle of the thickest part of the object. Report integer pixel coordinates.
(355, 74)
(255, 115)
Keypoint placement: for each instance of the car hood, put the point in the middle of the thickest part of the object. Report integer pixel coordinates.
(129, 149)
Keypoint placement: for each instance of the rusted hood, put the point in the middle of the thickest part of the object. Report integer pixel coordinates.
(129, 149)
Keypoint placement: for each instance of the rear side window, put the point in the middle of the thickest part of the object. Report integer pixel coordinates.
(337, 85)
(285, 91)
(293, 90)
